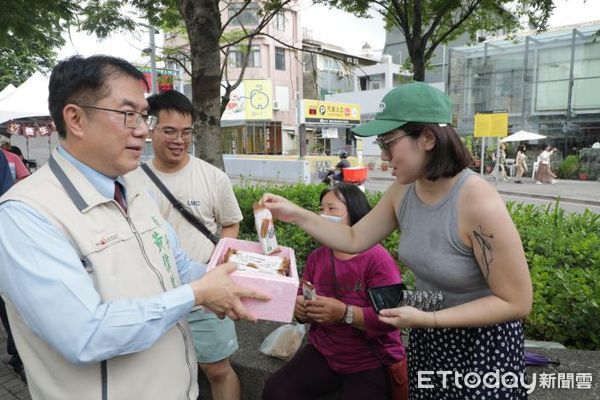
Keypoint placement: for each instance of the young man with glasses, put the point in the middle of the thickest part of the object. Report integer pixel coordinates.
(96, 286)
(207, 193)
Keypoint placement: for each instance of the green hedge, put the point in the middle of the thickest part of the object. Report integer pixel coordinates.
(569, 168)
(563, 252)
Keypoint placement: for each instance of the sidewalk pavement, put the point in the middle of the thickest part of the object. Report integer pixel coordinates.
(582, 192)
(11, 386)
(254, 367)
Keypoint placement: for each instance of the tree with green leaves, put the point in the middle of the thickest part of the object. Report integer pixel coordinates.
(29, 35)
(31, 32)
(426, 24)
(210, 73)
(200, 23)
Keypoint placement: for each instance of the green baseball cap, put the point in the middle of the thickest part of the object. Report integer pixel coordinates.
(412, 102)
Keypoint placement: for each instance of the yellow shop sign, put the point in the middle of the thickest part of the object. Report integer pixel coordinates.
(331, 113)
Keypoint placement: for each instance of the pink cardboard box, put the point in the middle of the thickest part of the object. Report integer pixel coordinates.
(282, 289)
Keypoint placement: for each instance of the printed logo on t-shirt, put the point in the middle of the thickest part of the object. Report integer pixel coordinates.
(194, 203)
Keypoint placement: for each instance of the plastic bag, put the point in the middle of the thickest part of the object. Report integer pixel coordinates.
(283, 342)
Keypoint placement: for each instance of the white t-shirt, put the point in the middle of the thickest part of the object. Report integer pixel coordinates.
(206, 191)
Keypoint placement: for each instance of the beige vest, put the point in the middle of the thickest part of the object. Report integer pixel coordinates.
(125, 258)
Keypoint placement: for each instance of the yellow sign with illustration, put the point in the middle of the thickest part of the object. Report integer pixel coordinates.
(330, 113)
(251, 100)
(491, 125)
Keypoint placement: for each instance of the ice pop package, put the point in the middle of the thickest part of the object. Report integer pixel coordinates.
(308, 290)
(263, 219)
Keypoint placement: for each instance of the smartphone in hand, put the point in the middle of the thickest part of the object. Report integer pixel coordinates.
(388, 296)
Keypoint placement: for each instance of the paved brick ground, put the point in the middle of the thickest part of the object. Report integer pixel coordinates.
(11, 386)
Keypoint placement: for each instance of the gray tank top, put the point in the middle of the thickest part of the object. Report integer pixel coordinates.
(431, 247)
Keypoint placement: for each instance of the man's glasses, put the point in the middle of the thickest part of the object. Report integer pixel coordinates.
(172, 133)
(131, 119)
(384, 144)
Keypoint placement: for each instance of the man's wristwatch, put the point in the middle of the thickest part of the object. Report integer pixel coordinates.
(349, 315)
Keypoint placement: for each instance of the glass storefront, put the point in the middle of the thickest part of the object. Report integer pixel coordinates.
(548, 83)
(262, 137)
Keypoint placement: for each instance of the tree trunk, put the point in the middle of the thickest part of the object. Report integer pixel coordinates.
(203, 22)
(418, 61)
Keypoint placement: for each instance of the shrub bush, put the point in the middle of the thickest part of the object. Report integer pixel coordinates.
(562, 250)
(563, 253)
(569, 168)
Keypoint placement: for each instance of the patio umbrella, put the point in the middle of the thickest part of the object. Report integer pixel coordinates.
(521, 136)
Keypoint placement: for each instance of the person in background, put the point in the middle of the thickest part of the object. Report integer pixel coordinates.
(337, 173)
(206, 191)
(18, 169)
(96, 285)
(348, 349)
(500, 160)
(6, 181)
(544, 172)
(521, 161)
(16, 150)
(456, 236)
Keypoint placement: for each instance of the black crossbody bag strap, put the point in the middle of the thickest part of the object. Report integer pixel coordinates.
(191, 218)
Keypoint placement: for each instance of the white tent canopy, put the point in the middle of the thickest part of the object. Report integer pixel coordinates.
(28, 100)
(522, 136)
(7, 90)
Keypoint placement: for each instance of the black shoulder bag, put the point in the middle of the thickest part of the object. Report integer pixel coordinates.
(191, 218)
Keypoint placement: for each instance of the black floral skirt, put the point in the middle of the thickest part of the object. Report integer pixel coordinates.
(473, 363)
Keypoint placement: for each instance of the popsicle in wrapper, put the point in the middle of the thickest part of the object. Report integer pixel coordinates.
(308, 290)
(263, 219)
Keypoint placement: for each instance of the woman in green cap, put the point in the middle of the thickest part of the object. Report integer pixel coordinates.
(455, 236)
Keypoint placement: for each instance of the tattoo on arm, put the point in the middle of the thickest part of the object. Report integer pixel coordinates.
(483, 240)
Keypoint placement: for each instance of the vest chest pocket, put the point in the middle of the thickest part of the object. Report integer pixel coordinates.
(99, 242)
(104, 249)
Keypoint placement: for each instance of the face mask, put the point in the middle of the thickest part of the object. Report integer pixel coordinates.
(333, 218)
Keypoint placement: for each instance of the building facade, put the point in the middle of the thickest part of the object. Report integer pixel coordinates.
(261, 117)
(329, 70)
(548, 83)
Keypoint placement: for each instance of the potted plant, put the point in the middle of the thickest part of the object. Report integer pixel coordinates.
(583, 174)
(384, 166)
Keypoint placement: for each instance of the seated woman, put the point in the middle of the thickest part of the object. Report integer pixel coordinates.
(348, 348)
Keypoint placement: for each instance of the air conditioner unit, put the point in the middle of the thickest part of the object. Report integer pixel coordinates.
(275, 105)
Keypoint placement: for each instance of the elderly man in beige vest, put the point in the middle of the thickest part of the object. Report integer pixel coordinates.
(96, 285)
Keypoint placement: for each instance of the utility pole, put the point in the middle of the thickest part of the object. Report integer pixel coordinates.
(152, 32)
(301, 127)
